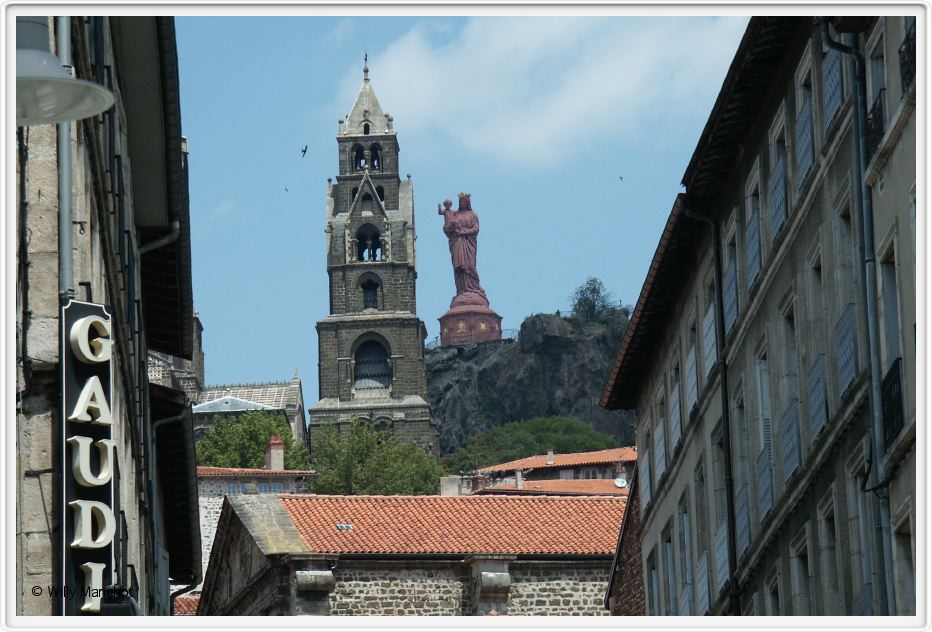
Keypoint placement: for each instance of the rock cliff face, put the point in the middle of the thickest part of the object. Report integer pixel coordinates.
(555, 367)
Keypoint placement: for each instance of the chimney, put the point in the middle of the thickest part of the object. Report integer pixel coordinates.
(519, 479)
(549, 457)
(275, 453)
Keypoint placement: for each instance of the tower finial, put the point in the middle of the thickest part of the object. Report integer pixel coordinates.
(365, 65)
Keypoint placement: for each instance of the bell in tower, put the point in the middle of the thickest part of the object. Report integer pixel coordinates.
(371, 345)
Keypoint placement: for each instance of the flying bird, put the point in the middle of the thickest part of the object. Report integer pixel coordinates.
(304, 151)
(621, 178)
(286, 189)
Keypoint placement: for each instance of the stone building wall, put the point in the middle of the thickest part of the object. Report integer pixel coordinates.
(627, 589)
(372, 589)
(557, 588)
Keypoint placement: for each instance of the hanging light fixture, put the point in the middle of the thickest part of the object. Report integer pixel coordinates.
(45, 91)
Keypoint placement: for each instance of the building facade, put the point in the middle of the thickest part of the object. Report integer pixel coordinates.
(371, 346)
(102, 231)
(411, 555)
(771, 355)
(285, 398)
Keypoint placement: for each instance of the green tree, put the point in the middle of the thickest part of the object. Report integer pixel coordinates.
(239, 441)
(519, 439)
(367, 461)
(591, 300)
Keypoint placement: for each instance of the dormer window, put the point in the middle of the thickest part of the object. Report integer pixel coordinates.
(365, 129)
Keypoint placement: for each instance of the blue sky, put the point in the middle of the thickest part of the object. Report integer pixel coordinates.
(538, 118)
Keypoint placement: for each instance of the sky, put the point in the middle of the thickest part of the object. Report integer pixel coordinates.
(571, 134)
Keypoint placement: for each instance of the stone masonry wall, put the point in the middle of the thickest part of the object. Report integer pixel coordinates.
(550, 588)
(437, 590)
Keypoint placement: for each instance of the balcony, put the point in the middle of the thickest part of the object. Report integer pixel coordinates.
(908, 58)
(777, 197)
(875, 125)
(891, 396)
(818, 409)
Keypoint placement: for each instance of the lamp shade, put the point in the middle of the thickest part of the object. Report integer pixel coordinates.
(45, 91)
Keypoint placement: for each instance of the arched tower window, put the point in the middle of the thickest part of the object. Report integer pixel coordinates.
(355, 191)
(370, 294)
(372, 368)
(365, 129)
(381, 193)
(359, 158)
(375, 155)
(369, 243)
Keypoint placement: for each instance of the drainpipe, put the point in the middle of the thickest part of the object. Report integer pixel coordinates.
(65, 241)
(866, 247)
(734, 596)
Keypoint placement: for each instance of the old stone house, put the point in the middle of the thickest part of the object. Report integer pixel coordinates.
(290, 554)
(625, 594)
(102, 224)
(771, 356)
(599, 464)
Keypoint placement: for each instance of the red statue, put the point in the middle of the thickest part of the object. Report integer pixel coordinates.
(469, 319)
(462, 230)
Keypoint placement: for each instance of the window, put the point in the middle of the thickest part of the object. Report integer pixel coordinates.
(278, 488)
(676, 413)
(859, 535)
(890, 315)
(359, 159)
(763, 403)
(816, 302)
(590, 473)
(828, 558)
(566, 474)
(653, 586)
(646, 486)
(843, 261)
(730, 281)
(262, 488)
(709, 342)
(375, 156)
(702, 518)
(876, 90)
(773, 595)
(739, 442)
(790, 354)
(669, 572)
(660, 436)
(369, 241)
(686, 556)
(718, 475)
(370, 294)
(232, 488)
(692, 375)
(365, 129)
(380, 191)
(372, 369)
(904, 566)
(800, 576)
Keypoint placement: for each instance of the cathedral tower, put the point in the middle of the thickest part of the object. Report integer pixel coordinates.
(371, 346)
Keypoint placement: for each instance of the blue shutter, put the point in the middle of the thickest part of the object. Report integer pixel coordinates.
(804, 142)
(644, 482)
(702, 584)
(686, 601)
(846, 349)
(764, 483)
(692, 381)
(777, 197)
(789, 433)
(833, 94)
(708, 340)
(752, 246)
(743, 519)
(676, 418)
(660, 451)
(818, 409)
(721, 556)
(731, 296)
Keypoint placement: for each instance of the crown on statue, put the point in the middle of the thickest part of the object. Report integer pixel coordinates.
(465, 202)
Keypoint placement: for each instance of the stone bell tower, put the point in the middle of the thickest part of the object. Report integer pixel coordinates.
(371, 346)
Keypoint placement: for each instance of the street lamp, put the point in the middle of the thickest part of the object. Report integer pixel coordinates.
(45, 91)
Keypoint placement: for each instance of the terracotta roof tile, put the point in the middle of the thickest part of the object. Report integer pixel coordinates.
(186, 605)
(546, 525)
(573, 459)
(575, 486)
(250, 471)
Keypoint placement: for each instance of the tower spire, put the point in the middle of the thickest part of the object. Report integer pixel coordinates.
(365, 66)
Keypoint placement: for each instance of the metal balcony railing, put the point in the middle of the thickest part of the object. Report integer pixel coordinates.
(891, 395)
(874, 128)
(908, 58)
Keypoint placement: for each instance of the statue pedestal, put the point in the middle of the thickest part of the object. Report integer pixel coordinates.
(467, 323)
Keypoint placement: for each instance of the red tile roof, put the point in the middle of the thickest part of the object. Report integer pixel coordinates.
(250, 471)
(574, 486)
(545, 525)
(186, 605)
(573, 459)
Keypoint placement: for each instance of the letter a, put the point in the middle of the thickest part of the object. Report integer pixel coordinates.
(86, 514)
(92, 404)
(81, 461)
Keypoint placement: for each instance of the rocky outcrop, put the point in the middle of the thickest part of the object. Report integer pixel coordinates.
(557, 366)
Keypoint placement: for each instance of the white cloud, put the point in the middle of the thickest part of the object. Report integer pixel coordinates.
(537, 89)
